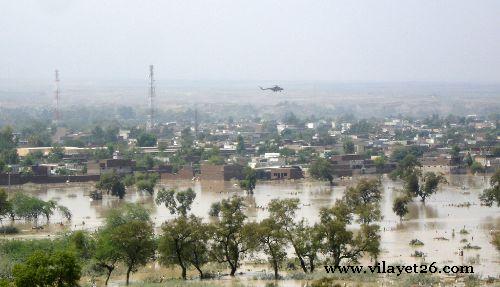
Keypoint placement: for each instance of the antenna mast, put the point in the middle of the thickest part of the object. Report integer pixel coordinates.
(152, 91)
(196, 122)
(56, 97)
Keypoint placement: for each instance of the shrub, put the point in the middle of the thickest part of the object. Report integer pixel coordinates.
(469, 246)
(9, 230)
(325, 282)
(416, 242)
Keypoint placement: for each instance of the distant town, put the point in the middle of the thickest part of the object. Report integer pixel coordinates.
(276, 149)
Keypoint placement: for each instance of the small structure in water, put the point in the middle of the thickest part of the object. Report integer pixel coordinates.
(96, 195)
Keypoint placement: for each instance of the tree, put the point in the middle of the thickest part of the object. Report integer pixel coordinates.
(476, 167)
(215, 209)
(7, 139)
(307, 243)
(146, 181)
(341, 243)
(5, 205)
(348, 146)
(455, 151)
(8, 143)
(56, 154)
(65, 212)
(496, 151)
(249, 179)
(232, 238)
(272, 239)
(401, 152)
(406, 166)
(145, 162)
(431, 183)
(338, 241)
(111, 183)
(129, 180)
(216, 160)
(136, 244)
(240, 145)
(187, 139)
(178, 202)
(423, 186)
(97, 135)
(27, 207)
(106, 254)
(492, 194)
(82, 243)
(411, 184)
(322, 169)
(41, 269)
(400, 206)
(366, 191)
(131, 233)
(48, 209)
(301, 237)
(199, 247)
(380, 162)
(146, 139)
(184, 242)
(364, 199)
(468, 160)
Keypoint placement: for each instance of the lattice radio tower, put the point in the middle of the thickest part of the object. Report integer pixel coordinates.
(57, 115)
(152, 92)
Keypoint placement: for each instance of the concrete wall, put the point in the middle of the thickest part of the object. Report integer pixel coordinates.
(16, 179)
(185, 173)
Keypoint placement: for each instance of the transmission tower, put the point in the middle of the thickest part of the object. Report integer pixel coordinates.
(57, 114)
(196, 123)
(150, 122)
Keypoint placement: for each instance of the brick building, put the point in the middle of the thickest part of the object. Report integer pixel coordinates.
(221, 172)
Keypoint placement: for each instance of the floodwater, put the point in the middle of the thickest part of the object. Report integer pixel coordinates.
(437, 218)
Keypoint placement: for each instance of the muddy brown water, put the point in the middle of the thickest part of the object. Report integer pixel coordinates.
(437, 218)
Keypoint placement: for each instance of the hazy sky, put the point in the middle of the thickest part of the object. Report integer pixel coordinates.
(372, 40)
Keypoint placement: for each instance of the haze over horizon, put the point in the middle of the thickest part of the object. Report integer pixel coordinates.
(333, 41)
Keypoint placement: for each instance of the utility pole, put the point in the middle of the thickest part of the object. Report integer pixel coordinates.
(152, 91)
(57, 114)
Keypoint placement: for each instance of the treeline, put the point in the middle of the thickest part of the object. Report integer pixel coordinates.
(29, 208)
(128, 240)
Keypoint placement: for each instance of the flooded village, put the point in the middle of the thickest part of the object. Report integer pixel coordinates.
(315, 161)
(229, 143)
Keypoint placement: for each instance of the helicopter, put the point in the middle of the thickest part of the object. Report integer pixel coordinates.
(276, 88)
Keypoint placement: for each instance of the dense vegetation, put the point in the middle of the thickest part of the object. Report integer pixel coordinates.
(127, 239)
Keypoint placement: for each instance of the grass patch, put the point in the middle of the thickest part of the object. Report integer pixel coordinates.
(472, 281)
(416, 280)
(187, 283)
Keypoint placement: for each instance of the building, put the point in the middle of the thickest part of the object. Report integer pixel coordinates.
(282, 173)
(351, 164)
(436, 164)
(267, 160)
(221, 172)
(185, 173)
(121, 166)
